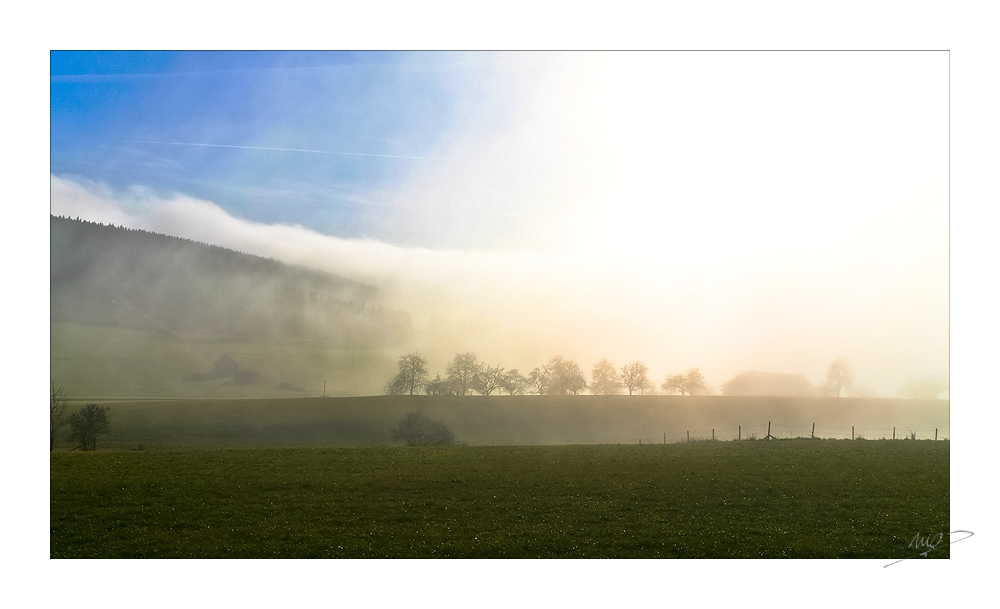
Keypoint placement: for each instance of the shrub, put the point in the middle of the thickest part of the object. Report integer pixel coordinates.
(88, 423)
(416, 429)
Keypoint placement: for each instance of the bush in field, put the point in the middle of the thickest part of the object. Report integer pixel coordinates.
(88, 423)
(416, 429)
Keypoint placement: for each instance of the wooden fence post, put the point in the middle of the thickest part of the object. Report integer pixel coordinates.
(689, 436)
(813, 435)
(739, 432)
(713, 435)
(852, 432)
(893, 433)
(935, 434)
(664, 437)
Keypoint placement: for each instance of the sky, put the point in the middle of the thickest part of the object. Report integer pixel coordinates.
(728, 210)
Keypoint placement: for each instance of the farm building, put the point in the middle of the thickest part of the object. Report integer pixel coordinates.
(752, 382)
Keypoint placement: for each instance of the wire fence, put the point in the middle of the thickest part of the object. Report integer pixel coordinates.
(778, 431)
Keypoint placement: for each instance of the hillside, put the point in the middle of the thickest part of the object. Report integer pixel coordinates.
(120, 277)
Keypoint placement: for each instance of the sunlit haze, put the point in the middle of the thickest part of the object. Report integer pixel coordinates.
(772, 211)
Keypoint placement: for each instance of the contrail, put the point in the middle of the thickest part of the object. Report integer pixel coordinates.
(388, 156)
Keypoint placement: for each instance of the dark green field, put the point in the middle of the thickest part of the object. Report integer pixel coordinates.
(778, 499)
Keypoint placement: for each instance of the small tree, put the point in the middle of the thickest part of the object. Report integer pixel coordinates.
(412, 375)
(489, 378)
(462, 373)
(674, 383)
(633, 375)
(563, 376)
(87, 424)
(57, 413)
(513, 382)
(838, 378)
(416, 429)
(605, 379)
(539, 381)
(694, 381)
(689, 383)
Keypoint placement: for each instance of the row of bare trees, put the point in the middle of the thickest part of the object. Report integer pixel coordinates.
(465, 375)
(634, 377)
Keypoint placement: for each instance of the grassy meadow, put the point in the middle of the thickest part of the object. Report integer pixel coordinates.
(538, 476)
(780, 499)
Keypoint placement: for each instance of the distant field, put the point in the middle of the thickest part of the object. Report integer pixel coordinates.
(96, 362)
(780, 499)
(477, 420)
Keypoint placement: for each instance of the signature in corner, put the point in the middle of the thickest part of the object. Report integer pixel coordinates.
(929, 542)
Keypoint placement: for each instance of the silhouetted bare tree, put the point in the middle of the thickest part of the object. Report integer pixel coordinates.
(87, 424)
(633, 375)
(604, 379)
(438, 386)
(513, 382)
(462, 373)
(57, 412)
(689, 383)
(412, 375)
(488, 378)
(564, 376)
(539, 380)
(694, 381)
(674, 383)
(838, 377)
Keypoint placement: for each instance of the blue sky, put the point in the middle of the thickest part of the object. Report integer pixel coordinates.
(107, 108)
(728, 210)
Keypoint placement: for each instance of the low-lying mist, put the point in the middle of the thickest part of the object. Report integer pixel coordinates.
(520, 307)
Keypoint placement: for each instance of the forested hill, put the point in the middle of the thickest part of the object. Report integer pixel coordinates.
(116, 276)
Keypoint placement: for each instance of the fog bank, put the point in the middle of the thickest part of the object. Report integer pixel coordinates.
(519, 307)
